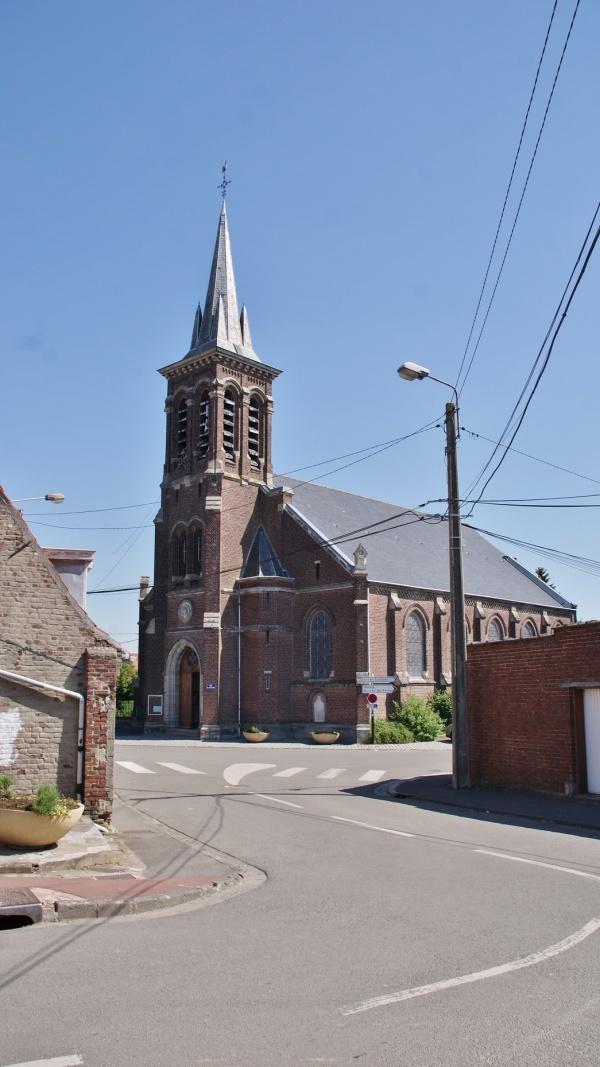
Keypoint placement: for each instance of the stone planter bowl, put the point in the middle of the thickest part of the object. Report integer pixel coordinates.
(325, 738)
(255, 738)
(27, 829)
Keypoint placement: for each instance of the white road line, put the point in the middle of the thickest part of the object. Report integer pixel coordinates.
(332, 772)
(287, 803)
(58, 1061)
(289, 772)
(137, 769)
(478, 976)
(538, 863)
(371, 776)
(236, 771)
(367, 826)
(179, 767)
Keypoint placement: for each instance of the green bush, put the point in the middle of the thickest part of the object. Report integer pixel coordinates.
(441, 702)
(7, 786)
(48, 800)
(418, 717)
(387, 732)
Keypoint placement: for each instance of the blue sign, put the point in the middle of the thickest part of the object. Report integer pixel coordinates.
(210, 685)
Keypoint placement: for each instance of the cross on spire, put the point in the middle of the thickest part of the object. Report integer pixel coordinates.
(224, 181)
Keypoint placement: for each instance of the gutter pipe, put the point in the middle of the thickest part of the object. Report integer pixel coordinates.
(33, 683)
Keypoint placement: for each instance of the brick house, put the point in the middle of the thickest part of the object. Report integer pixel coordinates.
(57, 676)
(272, 597)
(534, 712)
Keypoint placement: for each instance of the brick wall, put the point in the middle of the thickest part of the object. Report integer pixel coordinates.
(525, 719)
(46, 636)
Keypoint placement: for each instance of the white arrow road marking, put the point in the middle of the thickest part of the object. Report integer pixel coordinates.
(287, 803)
(479, 976)
(332, 772)
(367, 826)
(237, 771)
(371, 776)
(58, 1061)
(289, 772)
(538, 863)
(179, 767)
(137, 769)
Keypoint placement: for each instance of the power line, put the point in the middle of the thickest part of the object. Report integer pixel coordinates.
(528, 455)
(510, 181)
(567, 559)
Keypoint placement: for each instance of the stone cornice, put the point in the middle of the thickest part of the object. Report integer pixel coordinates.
(226, 359)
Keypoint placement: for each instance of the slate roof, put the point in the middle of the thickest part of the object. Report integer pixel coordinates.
(410, 548)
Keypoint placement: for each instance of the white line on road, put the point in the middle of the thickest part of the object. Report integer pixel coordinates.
(236, 771)
(538, 863)
(287, 803)
(332, 772)
(371, 776)
(137, 769)
(180, 768)
(478, 976)
(367, 826)
(289, 772)
(58, 1061)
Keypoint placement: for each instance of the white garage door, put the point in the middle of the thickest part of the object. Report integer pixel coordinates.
(591, 711)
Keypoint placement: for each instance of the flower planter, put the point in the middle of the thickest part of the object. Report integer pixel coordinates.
(255, 737)
(322, 738)
(27, 829)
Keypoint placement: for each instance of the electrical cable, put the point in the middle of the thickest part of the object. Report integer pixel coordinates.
(528, 455)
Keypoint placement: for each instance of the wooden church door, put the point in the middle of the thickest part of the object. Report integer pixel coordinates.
(189, 691)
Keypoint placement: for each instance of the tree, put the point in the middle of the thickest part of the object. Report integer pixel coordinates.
(125, 681)
(543, 575)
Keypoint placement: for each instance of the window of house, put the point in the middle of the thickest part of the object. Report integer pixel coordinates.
(229, 427)
(179, 554)
(416, 645)
(204, 424)
(196, 550)
(319, 646)
(254, 432)
(495, 631)
(528, 629)
(182, 421)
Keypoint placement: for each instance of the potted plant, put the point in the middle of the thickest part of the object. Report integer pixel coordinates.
(35, 821)
(255, 734)
(325, 737)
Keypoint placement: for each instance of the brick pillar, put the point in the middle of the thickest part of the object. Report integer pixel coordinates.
(100, 681)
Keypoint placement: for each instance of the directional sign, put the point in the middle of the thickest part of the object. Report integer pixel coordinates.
(378, 688)
(376, 679)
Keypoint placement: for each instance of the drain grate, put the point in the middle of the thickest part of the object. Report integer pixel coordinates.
(15, 902)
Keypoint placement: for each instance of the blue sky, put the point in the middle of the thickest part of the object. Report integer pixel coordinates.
(369, 151)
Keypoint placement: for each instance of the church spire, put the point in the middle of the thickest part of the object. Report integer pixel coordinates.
(220, 324)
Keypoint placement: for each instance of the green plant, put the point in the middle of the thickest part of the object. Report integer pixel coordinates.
(420, 719)
(253, 729)
(387, 732)
(126, 678)
(7, 786)
(332, 731)
(48, 801)
(441, 702)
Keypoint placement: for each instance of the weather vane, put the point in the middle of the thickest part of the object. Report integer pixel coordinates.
(225, 182)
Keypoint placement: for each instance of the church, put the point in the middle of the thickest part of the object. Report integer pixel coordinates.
(273, 598)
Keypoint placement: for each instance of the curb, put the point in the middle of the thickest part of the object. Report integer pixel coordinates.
(67, 910)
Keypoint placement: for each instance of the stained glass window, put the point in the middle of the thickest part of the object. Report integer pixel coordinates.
(416, 658)
(319, 646)
(495, 631)
(528, 629)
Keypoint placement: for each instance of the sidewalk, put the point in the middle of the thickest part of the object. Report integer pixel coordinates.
(579, 812)
(91, 874)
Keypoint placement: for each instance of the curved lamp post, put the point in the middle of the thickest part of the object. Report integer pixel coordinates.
(461, 775)
(55, 498)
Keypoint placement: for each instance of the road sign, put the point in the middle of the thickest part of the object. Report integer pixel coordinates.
(378, 688)
(376, 679)
(371, 698)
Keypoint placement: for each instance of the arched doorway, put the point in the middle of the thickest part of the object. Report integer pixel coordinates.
(189, 691)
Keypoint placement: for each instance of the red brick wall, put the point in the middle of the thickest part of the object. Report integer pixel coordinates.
(523, 715)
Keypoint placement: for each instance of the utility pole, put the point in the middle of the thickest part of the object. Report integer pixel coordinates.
(461, 777)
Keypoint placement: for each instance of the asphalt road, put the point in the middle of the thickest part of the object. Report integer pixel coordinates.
(386, 933)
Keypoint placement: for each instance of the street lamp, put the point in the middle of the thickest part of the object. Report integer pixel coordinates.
(55, 498)
(461, 776)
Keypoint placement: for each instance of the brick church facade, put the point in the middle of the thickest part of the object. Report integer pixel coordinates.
(272, 598)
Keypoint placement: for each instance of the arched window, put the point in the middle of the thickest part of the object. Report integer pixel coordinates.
(229, 424)
(319, 646)
(182, 421)
(195, 550)
(495, 631)
(528, 629)
(204, 424)
(416, 645)
(179, 554)
(254, 431)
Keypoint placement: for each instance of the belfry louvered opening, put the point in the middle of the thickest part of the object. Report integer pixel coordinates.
(204, 424)
(182, 424)
(255, 432)
(229, 424)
